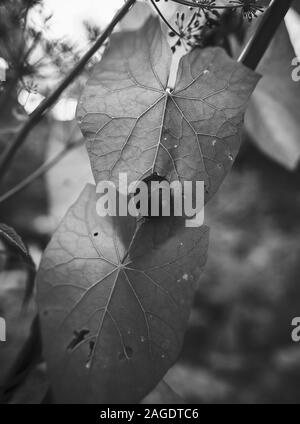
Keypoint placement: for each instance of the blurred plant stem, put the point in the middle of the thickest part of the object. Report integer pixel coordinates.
(45, 105)
(41, 170)
(261, 39)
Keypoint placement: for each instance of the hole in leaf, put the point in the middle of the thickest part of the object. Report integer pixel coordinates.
(92, 345)
(96, 234)
(79, 336)
(91, 348)
(126, 354)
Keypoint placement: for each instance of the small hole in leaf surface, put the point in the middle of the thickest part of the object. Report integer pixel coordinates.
(79, 336)
(91, 350)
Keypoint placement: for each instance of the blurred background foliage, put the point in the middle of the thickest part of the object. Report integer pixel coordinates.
(238, 347)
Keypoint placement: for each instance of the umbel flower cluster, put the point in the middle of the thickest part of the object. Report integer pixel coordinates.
(207, 15)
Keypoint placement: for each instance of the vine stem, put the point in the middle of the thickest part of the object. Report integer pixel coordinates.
(40, 111)
(261, 39)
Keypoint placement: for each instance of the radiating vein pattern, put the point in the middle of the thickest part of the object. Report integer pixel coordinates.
(112, 312)
(133, 123)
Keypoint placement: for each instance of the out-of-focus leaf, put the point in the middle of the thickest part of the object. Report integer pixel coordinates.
(134, 124)
(163, 394)
(16, 245)
(296, 6)
(21, 210)
(66, 180)
(273, 117)
(292, 22)
(33, 389)
(28, 358)
(20, 364)
(19, 321)
(114, 298)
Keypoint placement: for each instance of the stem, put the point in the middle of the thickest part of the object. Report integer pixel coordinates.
(40, 111)
(266, 30)
(42, 170)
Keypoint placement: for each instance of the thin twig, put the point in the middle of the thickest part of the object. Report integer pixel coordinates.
(42, 170)
(45, 105)
(261, 39)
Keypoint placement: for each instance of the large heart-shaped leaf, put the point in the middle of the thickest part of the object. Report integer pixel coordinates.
(135, 124)
(114, 298)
